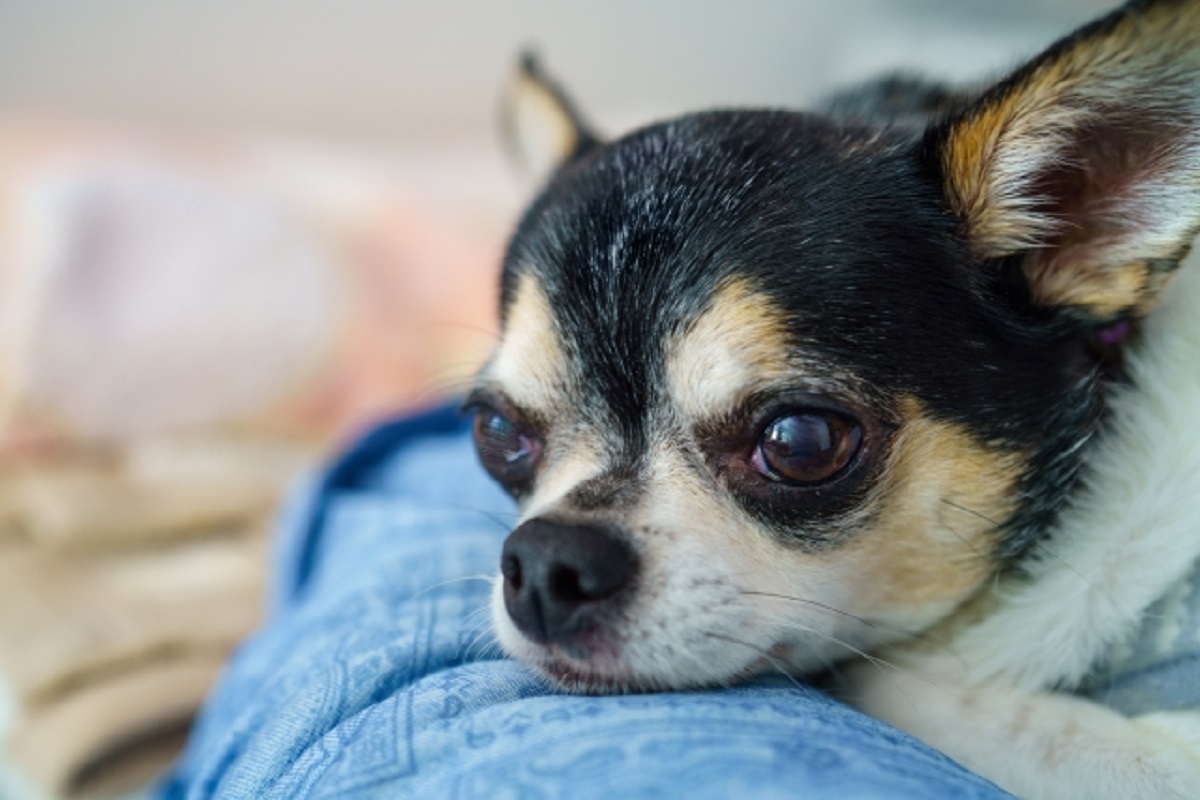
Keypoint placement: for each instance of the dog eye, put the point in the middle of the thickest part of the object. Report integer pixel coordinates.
(807, 448)
(508, 452)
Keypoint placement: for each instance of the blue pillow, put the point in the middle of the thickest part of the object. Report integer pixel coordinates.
(376, 674)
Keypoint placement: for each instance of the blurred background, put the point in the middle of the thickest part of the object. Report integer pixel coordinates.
(233, 235)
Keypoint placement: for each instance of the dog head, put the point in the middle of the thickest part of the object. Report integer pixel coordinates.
(775, 388)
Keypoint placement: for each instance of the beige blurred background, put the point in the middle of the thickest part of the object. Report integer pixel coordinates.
(235, 234)
(389, 72)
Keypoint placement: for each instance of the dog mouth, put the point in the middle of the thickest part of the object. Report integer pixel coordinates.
(603, 677)
(586, 677)
(591, 662)
(589, 675)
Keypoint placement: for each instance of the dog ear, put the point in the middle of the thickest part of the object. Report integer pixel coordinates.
(1085, 163)
(542, 129)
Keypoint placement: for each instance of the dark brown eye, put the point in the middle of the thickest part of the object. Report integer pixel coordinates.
(807, 448)
(508, 452)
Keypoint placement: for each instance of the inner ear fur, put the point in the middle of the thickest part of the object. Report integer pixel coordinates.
(542, 128)
(1085, 163)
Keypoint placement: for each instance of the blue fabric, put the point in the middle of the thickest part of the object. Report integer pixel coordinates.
(376, 675)
(1157, 667)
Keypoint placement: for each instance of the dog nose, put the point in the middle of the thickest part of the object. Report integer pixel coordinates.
(556, 576)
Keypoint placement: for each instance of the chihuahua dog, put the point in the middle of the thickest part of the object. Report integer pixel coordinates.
(900, 385)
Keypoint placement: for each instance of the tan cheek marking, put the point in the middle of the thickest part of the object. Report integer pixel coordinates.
(935, 533)
(740, 340)
(530, 364)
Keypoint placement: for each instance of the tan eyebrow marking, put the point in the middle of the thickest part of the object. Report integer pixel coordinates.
(738, 343)
(530, 366)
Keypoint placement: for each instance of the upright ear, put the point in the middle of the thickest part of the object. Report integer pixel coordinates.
(542, 129)
(1085, 163)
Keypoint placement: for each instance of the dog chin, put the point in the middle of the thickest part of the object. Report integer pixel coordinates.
(594, 677)
(601, 677)
(603, 670)
(577, 669)
(585, 678)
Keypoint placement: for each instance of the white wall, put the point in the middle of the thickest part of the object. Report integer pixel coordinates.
(382, 70)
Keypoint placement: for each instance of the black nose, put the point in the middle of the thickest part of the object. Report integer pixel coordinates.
(556, 576)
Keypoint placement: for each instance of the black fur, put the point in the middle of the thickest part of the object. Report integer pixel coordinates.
(899, 100)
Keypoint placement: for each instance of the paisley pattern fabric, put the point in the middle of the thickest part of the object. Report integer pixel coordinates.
(376, 675)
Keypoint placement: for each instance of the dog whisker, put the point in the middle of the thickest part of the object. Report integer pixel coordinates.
(1040, 546)
(451, 582)
(977, 514)
(876, 660)
(483, 638)
(882, 665)
(502, 519)
(483, 648)
(822, 606)
(975, 554)
(972, 546)
(907, 633)
(483, 611)
(885, 667)
(760, 652)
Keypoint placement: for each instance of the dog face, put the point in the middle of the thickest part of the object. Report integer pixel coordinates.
(774, 389)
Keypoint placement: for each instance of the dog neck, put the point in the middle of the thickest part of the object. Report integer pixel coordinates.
(1129, 537)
